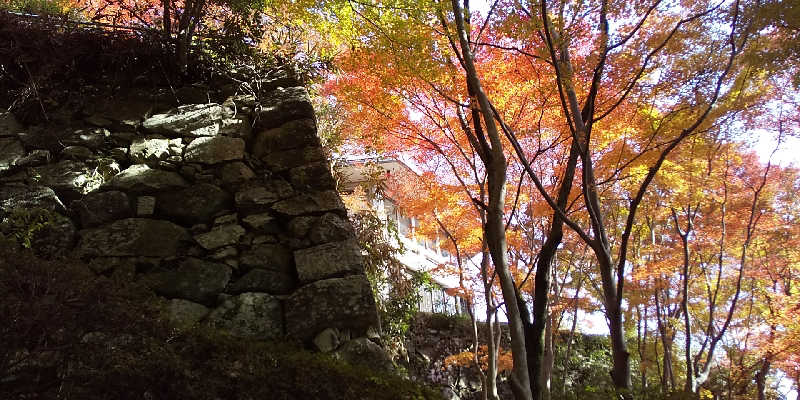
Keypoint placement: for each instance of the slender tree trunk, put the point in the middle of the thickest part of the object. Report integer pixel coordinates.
(495, 162)
(549, 358)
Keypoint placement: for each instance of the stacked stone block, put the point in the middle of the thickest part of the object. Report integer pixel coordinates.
(227, 209)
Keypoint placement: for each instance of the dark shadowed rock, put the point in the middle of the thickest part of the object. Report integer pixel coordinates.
(310, 203)
(28, 197)
(133, 237)
(341, 303)
(331, 228)
(283, 105)
(213, 150)
(328, 260)
(220, 236)
(251, 315)
(101, 207)
(195, 204)
(189, 120)
(11, 150)
(140, 178)
(9, 126)
(362, 351)
(289, 136)
(195, 280)
(235, 173)
(262, 280)
(273, 257)
(288, 159)
(184, 313)
(315, 176)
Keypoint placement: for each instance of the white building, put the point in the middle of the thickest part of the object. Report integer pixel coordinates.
(420, 254)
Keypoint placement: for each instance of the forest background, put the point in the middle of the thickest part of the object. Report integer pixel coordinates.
(575, 157)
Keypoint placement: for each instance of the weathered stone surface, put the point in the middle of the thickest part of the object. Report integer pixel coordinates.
(257, 198)
(331, 228)
(194, 279)
(272, 257)
(285, 104)
(28, 197)
(33, 159)
(226, 219)
(189, 120)
(341, 303)
(184, 313)
(175, 147)
(262, 280)
(11, 151)
(212, 150)
(145, 206)
(77, 153)
(194, 204)
(288, 159)
(315, 176)
(223, 235)
(310, 203)
(70, 179)
(235, 173)
(133, 237)
(140, 178)
(150, 149)
(327, 260)
(364, 352)
(300, 226)
(101, 207)
(252, 315)
(263, 223)
(289, 136)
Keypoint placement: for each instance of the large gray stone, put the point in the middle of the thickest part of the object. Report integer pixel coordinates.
(28, 197)
(235, 173)
(140, 179)
(256, 198)
(287, 159)
(273, 257)
(150, 149)
(212, 150)
(262, 223)
(133, 237)
(195, 204)
(341, 303)
(310, 203)
(11, 150)
(251, 315)
(195, 280)
(328, 260)
(219, 236)
(289, 136)
(189, 120)
(77, 153)
(363, 351)
(184, 313)
(283, 105)
(262, 280)
(331, 228)
(70, 179)
(102, 207)
(315, 176)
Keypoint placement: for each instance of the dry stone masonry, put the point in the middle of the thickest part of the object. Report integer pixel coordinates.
(228, 209)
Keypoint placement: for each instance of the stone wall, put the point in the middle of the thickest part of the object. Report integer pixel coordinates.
(228, 208)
